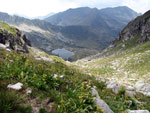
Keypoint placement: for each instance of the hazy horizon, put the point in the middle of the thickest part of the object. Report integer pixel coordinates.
(35, 8)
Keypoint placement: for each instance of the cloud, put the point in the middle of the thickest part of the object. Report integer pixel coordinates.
(138, 5)
(34, 8)
(95, 3)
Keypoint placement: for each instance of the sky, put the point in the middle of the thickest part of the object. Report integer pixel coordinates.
(34, 8)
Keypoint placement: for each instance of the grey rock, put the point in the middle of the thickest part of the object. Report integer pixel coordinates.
(130, 88)
(17, 42)
(2, 46)
(100, 102)
(28, 91)
(44, 59)
(114, 86)
(143, 87)
(138, 111)
(130, 93)
(123, 45)
(95, 93)
(17, 86)
(139, 85)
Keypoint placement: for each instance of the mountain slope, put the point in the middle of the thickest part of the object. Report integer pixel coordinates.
(37, 84)
(137, 28)
(13, 39)
(78, 16)
(101, 22)
(126, 62)
(51, 85)
(105, 24)
(82, 39)
(48, 37)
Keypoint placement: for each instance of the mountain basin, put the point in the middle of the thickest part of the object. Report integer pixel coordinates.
(63, 53)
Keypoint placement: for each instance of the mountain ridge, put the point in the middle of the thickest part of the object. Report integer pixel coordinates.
(84, 12)
(82, 40)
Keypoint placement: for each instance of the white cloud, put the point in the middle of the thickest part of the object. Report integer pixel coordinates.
(138, 5)
(34, 8)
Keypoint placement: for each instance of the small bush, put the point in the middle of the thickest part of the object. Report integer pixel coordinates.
(122, 91)
(101, 85)
(42, 110)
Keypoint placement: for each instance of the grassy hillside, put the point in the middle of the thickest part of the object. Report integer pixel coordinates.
(54, 86)
(118, 62)
(4, 26)
(125, 65)
(69, 94)
(83, 35)
(63, 94)
(125, 62)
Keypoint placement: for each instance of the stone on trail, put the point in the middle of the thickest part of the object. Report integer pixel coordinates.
(17, 86)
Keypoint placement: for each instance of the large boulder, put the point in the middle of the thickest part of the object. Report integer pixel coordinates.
(143, 87)
(100, 103)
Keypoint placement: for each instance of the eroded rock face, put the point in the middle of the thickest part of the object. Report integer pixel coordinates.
(140, 26)
(17, 41)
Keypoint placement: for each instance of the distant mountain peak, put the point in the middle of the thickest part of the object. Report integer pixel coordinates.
(85, 15)
(85, 31)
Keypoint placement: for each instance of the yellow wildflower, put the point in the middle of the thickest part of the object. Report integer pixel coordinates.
(98, 108)
(62, 101)
(89, 83)
(123, 112)
(103, 110)
(27, 62)
(34, 75)
(80, 97)
(44, 75)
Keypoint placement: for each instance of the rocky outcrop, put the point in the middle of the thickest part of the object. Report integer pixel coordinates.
(139, 27)
(143, 87)
(100, 103)
(13, 38)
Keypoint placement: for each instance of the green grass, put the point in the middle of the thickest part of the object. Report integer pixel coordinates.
(135, 61)
(10, 101)
(6, 27)
(69, 94)
(119, 103)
